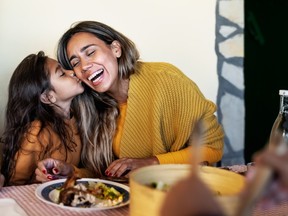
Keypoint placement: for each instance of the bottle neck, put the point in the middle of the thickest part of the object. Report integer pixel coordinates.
(283, 104)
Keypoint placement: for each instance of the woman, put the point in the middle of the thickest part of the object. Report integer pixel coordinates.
(158, 104)
(39, 121)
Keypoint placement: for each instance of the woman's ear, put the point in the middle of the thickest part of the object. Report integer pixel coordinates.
(47, 98)
(116, 48)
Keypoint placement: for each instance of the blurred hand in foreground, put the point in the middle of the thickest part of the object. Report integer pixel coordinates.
(190, 197)
(277, 190)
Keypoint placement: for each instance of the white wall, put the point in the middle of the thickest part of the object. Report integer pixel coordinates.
(180, 32)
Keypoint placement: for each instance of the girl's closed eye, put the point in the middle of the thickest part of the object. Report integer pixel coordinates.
(62, 74)
(74, 63)
(59, 71)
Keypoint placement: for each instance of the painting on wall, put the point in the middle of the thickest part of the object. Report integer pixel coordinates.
(229, 48)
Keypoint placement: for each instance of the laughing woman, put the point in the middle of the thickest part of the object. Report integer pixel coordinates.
(158, 104)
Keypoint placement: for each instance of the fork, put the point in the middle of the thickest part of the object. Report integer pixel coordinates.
(195, 141)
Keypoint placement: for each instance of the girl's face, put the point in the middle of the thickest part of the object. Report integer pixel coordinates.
(94, 62)
(65, 86)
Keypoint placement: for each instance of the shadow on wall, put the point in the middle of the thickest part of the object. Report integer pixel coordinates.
(230, 99)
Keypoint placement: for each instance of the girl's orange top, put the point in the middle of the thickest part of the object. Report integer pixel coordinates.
(33, 151)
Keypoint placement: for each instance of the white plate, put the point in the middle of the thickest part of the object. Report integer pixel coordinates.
(42, 192)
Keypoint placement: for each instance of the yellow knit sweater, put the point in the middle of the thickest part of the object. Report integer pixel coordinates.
(163, 105)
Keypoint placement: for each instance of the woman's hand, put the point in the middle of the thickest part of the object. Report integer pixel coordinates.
(51, 169)
(122, 166)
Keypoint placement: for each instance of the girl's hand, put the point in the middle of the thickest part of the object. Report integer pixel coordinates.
(123, 166)
(51, 169)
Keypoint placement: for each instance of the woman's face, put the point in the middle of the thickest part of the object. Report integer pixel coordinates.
(94, 62)
(65, 86)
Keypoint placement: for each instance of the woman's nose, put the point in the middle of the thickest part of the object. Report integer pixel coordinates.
(86, 65)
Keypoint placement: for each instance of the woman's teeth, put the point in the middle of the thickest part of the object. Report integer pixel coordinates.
(95, 75)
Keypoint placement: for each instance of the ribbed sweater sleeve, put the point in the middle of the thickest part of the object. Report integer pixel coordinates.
(163, 106)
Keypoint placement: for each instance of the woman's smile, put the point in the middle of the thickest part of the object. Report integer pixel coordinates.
(96, 75)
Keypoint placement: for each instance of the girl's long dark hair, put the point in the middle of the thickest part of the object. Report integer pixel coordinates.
(29, 80)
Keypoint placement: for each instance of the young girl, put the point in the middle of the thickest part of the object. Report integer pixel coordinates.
(39, 122)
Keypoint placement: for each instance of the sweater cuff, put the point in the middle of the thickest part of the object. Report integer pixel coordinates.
(172, 158)
(184, 156)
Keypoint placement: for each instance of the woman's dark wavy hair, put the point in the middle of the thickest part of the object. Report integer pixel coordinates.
(129, 53)
(29, 80)
(96, 114)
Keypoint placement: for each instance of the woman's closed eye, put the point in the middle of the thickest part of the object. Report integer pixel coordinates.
(90, 53)
(75, 61)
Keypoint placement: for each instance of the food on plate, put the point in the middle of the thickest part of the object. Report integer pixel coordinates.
(86, 195)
